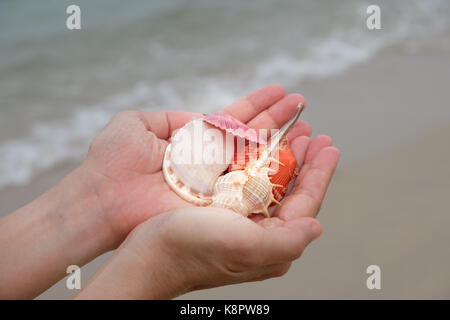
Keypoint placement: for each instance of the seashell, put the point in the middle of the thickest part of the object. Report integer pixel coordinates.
(244, 192)
(188, 168)
(234, 126)
(286, 168)
(250, 190)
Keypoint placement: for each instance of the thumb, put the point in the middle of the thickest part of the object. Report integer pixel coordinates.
(156, 149)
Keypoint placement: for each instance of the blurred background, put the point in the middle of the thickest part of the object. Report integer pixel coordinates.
(382, 95)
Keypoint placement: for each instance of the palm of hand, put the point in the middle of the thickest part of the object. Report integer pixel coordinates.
(129, 156)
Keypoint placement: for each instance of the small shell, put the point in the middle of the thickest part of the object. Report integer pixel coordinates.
(233, 126)
(185, 168)
(244, 192)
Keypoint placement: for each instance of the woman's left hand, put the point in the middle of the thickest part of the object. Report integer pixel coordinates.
(195, 248)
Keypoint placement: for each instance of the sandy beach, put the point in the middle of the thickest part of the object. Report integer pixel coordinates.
(388, 202)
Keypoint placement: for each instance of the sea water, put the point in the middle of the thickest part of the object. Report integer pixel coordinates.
(59, 87)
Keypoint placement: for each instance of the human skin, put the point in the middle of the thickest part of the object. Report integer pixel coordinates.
(120, 185)
(198, 248)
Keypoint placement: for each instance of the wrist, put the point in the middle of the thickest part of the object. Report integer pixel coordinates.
(39, 241)
(82, 216)
(163, 269)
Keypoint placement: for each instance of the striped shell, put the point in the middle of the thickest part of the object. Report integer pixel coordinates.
(244, 191)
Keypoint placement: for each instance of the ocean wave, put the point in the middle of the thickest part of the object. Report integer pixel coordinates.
(344, 48)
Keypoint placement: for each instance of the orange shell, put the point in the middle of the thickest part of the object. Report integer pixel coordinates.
(285, 172)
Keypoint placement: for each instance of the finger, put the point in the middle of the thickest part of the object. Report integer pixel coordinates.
(308, 194)
(164, 123)
(248, 107)
(286, 242)
(299, 147)
(317, 144)
(278, 114)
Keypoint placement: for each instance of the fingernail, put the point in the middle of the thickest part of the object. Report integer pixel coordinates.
(316, 229)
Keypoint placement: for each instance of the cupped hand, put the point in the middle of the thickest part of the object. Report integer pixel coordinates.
(202, 247)
(125, 159)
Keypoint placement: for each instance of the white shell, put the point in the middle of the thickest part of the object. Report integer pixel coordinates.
(187, 169)
(244, 191)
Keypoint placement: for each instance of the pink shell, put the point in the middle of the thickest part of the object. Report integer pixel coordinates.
(234, 126)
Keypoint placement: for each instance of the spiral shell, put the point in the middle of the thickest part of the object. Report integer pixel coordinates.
(244, 191)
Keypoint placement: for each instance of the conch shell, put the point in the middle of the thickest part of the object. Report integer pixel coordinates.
(250, 190)
(245, 191)
(185, 168)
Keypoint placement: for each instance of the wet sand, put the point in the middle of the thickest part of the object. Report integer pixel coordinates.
(387, 204)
